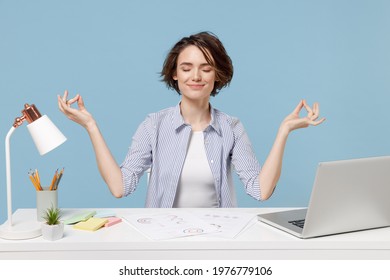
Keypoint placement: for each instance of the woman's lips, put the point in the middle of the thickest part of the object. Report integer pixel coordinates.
(196, 86)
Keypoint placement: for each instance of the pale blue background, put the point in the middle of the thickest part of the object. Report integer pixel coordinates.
(334, 52)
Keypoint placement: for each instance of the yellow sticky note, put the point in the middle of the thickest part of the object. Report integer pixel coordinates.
(91, 224)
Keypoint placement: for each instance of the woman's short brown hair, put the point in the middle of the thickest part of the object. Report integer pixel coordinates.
(215, 55)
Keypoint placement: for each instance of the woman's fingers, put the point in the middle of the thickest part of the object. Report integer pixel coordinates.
(314, 112)
(80, 102)
(72, 100)
(61, 104)
(298, 108)
(314, 122)
(65, 96)
(308, 109)
(64, 104)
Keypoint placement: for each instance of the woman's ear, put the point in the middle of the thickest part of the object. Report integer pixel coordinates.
(174, 75)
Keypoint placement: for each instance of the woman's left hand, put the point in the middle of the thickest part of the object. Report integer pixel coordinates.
(294, 121)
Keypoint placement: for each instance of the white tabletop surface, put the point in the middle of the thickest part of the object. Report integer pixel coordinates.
(257, 241)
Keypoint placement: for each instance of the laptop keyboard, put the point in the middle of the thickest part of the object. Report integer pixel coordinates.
(298, 223)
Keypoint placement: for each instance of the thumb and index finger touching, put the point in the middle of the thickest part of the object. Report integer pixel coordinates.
(312, 112)
(65, 103)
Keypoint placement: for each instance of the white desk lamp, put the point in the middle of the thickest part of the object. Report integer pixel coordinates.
(46, 137)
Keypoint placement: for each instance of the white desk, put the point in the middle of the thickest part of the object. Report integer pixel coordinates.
(259, 241)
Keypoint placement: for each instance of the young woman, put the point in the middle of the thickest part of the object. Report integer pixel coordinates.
(192, 148)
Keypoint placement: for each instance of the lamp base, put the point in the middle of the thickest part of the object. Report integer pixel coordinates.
(20, 230)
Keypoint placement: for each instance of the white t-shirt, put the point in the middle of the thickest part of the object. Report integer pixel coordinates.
(196, 184)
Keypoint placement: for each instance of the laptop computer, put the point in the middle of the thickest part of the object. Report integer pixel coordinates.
(347, 195)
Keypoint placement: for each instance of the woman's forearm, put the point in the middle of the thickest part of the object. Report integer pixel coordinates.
(272, 167)
(106, 163)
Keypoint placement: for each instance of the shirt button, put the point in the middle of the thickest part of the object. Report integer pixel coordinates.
(212, 161)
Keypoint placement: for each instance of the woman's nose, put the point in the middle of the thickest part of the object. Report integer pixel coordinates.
(196, 76)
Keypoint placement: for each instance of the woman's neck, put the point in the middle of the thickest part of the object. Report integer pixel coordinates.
(196, 114)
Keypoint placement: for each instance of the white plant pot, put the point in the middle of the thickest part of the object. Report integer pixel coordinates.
(52, 232)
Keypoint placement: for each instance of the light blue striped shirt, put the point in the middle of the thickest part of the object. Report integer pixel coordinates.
(161, 142)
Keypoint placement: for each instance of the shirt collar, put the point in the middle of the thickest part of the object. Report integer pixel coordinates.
(214, 123)
(177, 118)
(178, 121)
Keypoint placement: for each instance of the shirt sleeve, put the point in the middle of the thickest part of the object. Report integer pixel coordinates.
(138, 158)
(244, 160)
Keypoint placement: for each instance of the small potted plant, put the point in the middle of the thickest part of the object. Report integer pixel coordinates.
(52, 228)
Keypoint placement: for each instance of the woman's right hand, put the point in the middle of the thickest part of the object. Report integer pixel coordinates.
(80, 115)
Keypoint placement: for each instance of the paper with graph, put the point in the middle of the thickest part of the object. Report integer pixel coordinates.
(175, 224)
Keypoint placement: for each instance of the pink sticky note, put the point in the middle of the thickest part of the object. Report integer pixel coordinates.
(112, 221)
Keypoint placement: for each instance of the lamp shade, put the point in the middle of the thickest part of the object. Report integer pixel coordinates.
(45, 134)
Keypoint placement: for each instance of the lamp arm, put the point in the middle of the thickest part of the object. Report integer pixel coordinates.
(8, 174)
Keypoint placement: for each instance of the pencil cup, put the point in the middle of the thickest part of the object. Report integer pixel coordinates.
(45, 200)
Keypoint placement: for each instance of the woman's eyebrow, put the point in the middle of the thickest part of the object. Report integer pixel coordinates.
(191, 64)
(185, 64)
